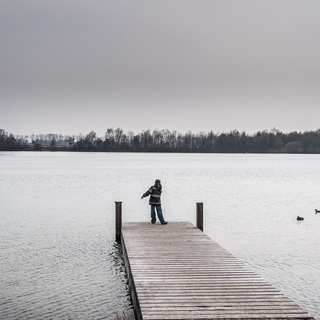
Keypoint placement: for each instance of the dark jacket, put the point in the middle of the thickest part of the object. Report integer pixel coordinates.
(155, 194)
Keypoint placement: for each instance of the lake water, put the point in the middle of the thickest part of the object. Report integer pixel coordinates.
(58, 257)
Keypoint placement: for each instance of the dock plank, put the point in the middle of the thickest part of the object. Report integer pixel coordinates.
(175, 271)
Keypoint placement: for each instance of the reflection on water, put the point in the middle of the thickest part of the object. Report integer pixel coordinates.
(58, 257)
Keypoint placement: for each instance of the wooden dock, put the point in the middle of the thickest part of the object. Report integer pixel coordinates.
(175, 271)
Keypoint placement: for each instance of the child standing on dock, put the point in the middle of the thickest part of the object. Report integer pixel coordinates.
(155, 201)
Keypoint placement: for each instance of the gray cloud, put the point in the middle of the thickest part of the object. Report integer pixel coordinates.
(197, 65)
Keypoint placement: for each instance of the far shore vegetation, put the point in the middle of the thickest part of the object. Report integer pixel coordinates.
(116, 140)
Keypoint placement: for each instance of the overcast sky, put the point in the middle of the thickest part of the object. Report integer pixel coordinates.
(73, 66)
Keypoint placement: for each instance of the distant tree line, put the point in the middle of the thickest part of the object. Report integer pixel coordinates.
(115, 140)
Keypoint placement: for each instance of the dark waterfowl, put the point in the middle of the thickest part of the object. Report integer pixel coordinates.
(299, 218)
(317, 210)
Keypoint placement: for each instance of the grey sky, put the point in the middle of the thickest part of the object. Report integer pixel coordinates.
(74, 66)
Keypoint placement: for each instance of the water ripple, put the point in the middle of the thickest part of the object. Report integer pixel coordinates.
(73, 278)
(58, 259)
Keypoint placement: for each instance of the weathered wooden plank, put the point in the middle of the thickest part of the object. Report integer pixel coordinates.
(230, 306)
(263, 309)
(225, 295)
(213, 299)
(179, 273)
(221, 310)
(229, 317)
(201, 291)
(204, 315)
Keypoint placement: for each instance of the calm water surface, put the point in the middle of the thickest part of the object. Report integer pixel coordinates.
(58, 257)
